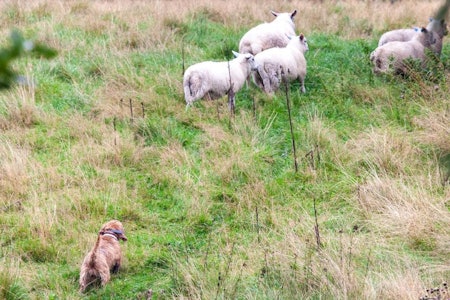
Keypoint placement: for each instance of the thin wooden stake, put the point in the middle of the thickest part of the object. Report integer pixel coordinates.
(131, 110)
(254, 108)
(318, 154)
(257, 224)
(115, 131)
(231, 103)
(231, 95)
(227, 270)
(316, 227)
(310, 154)
(286, 84)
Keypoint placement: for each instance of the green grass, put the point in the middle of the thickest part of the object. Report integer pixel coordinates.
(212, 206)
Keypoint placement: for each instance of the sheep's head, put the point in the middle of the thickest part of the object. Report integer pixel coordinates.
(285, 17)
(303, 42)
(426, 37)
(438, 26)
(251, 61)
(291, 15)
(298, 42)
(248, 59)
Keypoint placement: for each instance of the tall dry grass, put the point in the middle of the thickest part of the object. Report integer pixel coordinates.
(347, 18)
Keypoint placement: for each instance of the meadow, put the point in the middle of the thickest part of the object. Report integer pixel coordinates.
(212, 203)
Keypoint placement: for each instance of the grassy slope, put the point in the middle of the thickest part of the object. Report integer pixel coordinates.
(212, 206)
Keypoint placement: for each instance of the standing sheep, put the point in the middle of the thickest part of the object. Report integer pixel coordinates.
(211, 80)
(392, 56)
(288, 62)
(269, 35)
(438, 27)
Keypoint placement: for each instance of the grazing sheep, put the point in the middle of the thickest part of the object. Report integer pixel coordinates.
(269, 35)
(104, 257)
(276, 63)
(392, 56)
(438, 27)
(211, 80)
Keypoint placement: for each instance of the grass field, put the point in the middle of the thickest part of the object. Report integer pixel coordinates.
(212, 205)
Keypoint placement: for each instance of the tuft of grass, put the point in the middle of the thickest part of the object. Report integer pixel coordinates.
(11, 288)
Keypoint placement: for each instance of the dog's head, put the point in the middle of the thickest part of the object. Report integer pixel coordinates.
(115, 228)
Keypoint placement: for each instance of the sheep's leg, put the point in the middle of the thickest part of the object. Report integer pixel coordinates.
(232, 101)
(266, 84)
(257, 79)
(260, 74)
(248, 82)
(277, 79)
(274, 82)
(302, 83)
(265, 79)
(273, 77)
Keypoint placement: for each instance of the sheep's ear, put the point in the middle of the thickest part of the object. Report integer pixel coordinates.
(274, 13)
(293, 14)
(236, 54)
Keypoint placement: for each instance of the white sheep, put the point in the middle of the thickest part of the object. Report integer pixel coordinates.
(275, 63)
(438, 27)
(392, 56)
(269, 35)
(211, 80)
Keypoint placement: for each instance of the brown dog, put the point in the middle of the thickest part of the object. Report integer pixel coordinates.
(106, 255)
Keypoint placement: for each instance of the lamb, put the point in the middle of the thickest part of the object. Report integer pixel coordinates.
(211, 80)
(275, 63)
(269, 35)
(438, 27)
(392, 56)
